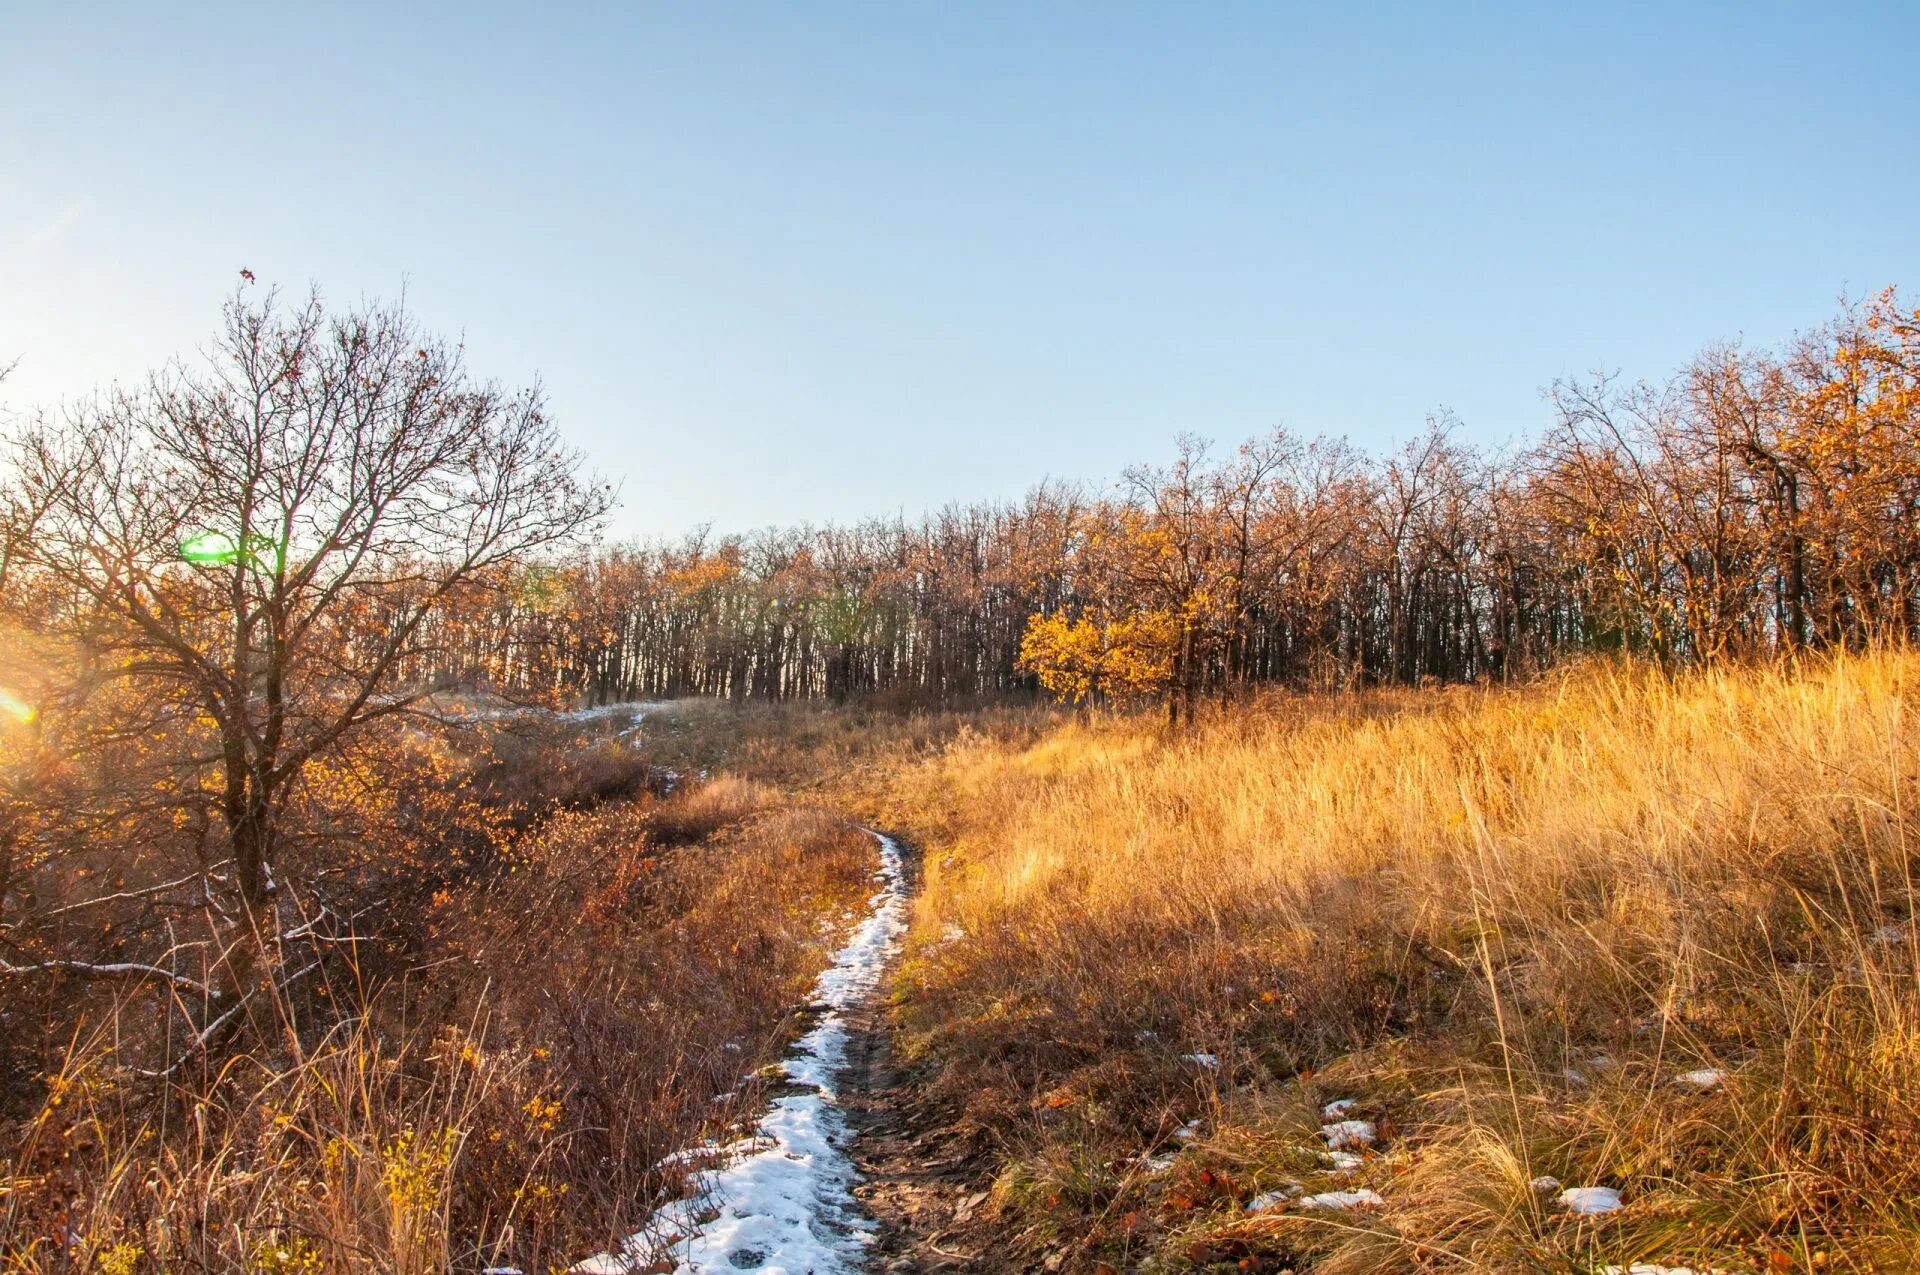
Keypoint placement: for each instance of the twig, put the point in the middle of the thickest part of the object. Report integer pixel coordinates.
(123, 969)
(141, 893)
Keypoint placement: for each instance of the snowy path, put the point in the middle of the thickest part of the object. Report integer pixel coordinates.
(782, 1202)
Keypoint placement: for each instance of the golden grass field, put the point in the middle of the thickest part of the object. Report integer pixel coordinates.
(1504, 922)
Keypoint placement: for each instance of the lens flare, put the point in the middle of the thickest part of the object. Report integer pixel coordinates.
(207, 548)
(218, 549)
(15, 707)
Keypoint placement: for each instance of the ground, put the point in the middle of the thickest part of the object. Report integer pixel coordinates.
(923, 1179)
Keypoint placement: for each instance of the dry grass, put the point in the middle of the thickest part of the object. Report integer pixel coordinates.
(1446, 905)
(491, 1086)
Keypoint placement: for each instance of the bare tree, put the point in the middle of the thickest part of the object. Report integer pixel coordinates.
(261, 539)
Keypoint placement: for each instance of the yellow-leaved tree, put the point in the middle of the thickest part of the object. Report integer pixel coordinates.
(1083, 659)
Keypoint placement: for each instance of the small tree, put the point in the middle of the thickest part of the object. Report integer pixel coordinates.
(1064, 654)
(1084, 659)
(259, 543)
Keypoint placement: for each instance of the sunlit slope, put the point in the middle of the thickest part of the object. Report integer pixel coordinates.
(1613, 930)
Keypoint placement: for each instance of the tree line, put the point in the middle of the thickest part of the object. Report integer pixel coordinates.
(1756, 502)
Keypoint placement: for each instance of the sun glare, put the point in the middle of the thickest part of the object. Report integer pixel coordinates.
(15, 707)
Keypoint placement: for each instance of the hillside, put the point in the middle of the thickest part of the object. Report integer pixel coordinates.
(1612, 930)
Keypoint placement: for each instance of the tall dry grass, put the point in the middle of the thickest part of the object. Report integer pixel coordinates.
(1503, 921)
(491, 1084)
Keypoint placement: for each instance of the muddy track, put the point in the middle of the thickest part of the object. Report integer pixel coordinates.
(922, 1179)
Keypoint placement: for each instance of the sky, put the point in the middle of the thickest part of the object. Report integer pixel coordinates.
(802, 262)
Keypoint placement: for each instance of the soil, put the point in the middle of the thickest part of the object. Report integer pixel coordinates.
(925, 1177)
(925, 1180)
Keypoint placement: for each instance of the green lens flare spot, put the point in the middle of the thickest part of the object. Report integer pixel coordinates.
(209, 548)
(217, 548)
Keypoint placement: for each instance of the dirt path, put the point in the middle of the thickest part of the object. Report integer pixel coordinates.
(922, 1180)
(781, 1197)
(851, 1166)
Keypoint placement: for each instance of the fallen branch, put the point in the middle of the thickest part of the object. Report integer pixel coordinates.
(212, 1030)
(121, 969)
(142, 893)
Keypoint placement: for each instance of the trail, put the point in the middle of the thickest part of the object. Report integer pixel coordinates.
(922, 1179)
(782, 1201)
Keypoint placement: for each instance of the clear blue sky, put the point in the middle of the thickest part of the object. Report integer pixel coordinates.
(807, 261)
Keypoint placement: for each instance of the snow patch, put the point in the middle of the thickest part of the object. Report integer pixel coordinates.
(782, 1202)
(1705, 1080)
(1590, 1200)
(1207, 1062)
(1363, 1198)
(637, 709)
(699, 1153)
(1338, 1108)
(1349, 1133)
(1271, 1199)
